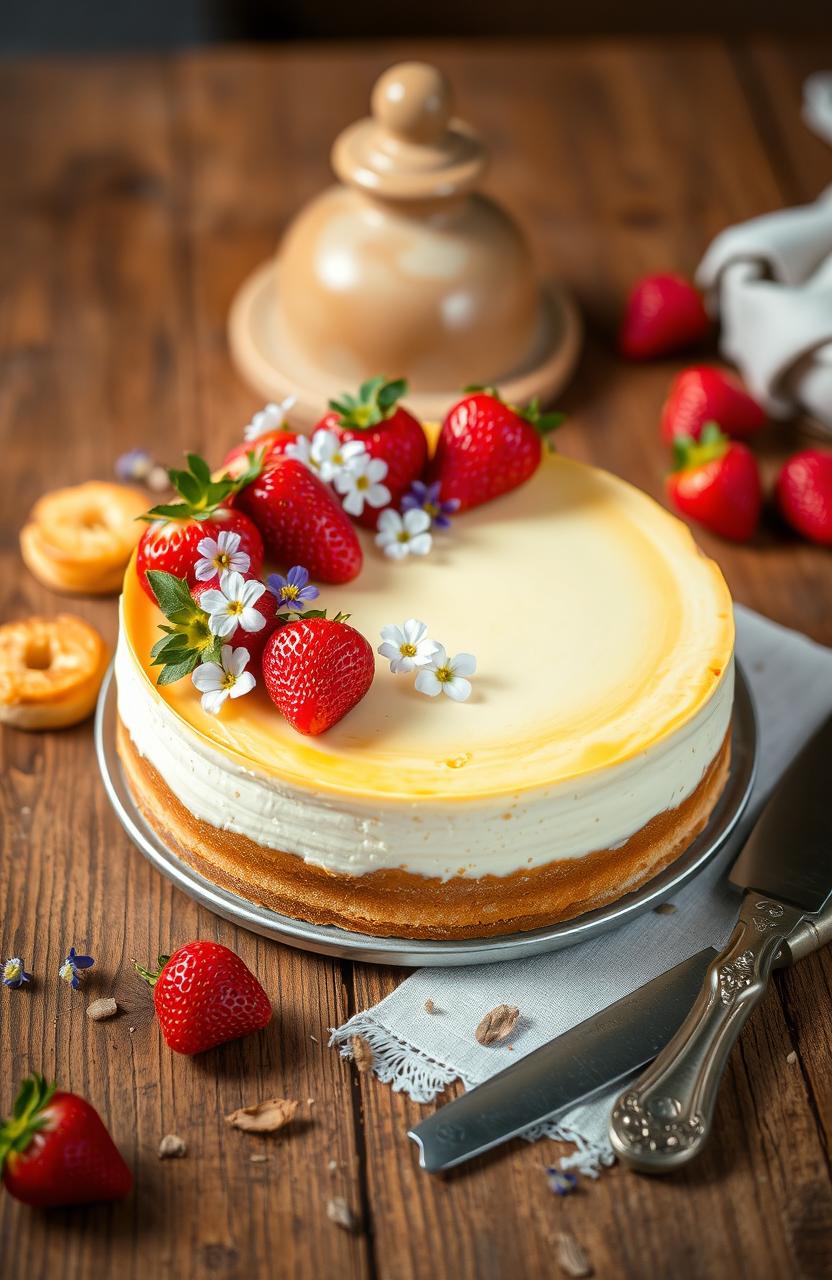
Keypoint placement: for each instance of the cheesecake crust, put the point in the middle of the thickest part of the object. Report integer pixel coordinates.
(398, 903)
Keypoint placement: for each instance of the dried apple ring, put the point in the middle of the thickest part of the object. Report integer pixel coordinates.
(80, 539)
(50, 671)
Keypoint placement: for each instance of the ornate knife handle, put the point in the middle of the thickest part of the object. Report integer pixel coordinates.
(664, 1119)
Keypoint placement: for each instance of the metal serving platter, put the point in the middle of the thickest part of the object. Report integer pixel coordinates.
(416, 953)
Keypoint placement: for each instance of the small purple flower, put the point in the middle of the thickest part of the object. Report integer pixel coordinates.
(559, 1182)
(293, 591)
(68, 971)
(425, 497)
(14, 975)
(135, 465)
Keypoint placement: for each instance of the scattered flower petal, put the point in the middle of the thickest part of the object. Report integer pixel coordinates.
(227, 678)
(294, 591)
(447, 675)
(100, 1010)
(401, 535)
(339, 1212)
(72, 968)
(408, 646)
(172, 1147)
(498, 1024)
(270, 418)
(14, 974)
(219, 555)
(232, 605)
(264, 1117)
(360, 484)
(158, 480)
(560, 1182)
(426, 497)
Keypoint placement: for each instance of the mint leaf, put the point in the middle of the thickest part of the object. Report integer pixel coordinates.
(172, 594)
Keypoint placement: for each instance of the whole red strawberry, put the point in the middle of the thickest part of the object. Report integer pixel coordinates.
(704, 394)
(387, 431)
(170, 541)
(54, 1150)
(804, 494)
(254, 641)
(315, 670)
(272, 444)
(204, 995)
(717, 482)
(487, 447)
(301, 521)
(664, 313)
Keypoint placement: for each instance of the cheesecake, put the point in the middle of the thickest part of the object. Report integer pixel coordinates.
(591, 752)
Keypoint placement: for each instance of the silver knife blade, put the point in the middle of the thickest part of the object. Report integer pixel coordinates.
(590, 1057)
(788, 855)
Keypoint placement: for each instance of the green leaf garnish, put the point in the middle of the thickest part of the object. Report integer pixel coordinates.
(190, 640)
(689, 453)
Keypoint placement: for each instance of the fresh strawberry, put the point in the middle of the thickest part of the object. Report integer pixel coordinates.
(272, 444)
(716, 482)
(804, 494)
(387, 431)
(204, 995)
(301, 521)
(487, 447)
(254, 641)
(704, 394)
(54, 1150)
(316, 669)
(664, 313)
(175, 529)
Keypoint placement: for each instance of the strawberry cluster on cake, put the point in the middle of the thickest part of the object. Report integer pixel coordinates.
(436, 692)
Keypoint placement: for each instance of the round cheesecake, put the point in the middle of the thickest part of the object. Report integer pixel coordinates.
(590, 754)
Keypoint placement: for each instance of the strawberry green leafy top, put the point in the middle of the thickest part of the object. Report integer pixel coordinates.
(201, 496)
(376, 400)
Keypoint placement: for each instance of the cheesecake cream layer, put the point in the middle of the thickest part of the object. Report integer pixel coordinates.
(604, 644)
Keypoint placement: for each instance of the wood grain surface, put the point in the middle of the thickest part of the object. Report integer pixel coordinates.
(135, 194)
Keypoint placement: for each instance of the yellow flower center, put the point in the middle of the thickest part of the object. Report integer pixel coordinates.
(362, 483)
(229, 680)
(408, 650)
(403, 536)
(235, 606)
(432, 509)
(222, 560)
(444, 674)
(289, 592)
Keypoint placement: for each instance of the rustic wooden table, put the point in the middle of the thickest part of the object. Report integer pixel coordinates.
(136, 195)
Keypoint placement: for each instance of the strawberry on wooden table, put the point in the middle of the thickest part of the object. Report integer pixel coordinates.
(170, 542)
(301, 521)
(716, 481)
(487, 447)
(55, 1150)
(388, 432)
(804, 494)
(664, 313)
(316, 669)
(703, 394)
(204, 995)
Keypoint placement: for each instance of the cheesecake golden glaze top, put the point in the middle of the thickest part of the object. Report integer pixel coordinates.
(598, 626)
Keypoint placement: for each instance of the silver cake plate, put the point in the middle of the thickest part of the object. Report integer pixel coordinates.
(413, 953)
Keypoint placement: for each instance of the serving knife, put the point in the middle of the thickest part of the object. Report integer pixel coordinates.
(665, 1118)
(573, 1068)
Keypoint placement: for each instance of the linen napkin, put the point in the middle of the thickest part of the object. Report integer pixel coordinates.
(770, 282)
(421, 1053)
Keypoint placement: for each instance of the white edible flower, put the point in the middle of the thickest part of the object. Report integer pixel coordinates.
(360, 484)
(270, 418)
(233, 604)
(401, 535)
(300, 450)
(330, 456)
(407, 646)
(220, 555)
(227, 678)
(447, 675)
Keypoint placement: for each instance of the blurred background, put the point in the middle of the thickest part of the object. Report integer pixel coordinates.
(28, 26)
